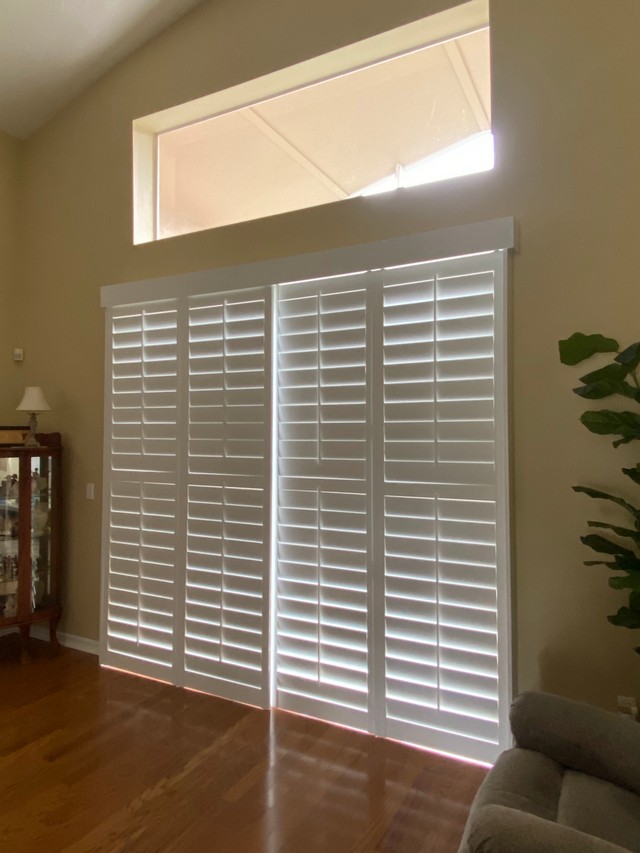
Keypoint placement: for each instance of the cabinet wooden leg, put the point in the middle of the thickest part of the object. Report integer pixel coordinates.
(53, 637)
(24, 643)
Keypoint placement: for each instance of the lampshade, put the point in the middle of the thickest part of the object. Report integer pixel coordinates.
(33, 400)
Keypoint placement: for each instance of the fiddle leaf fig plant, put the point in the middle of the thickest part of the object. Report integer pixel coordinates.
(618, 378)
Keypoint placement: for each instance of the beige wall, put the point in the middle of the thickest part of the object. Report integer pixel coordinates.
(9, 275)
(566, 121)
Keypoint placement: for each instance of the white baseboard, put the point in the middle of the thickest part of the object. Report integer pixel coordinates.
(82, 644)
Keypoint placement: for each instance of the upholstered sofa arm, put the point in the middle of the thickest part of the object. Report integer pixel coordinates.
(579, 736)
(498, 829)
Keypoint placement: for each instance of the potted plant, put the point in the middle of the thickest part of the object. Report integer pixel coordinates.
(618, 378)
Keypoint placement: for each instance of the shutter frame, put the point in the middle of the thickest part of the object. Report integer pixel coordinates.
(495, 236)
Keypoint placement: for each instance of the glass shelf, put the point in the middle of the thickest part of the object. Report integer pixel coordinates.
(9, 526)
(41, 513)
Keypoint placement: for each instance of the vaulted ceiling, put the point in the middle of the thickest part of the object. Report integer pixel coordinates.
(51, 50)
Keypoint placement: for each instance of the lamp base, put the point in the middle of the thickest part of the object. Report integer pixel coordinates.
(30, 439)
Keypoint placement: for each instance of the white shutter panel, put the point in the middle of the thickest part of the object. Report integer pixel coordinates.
(438, 478)
(322, 608)
(141, 432)
(188, 483)
(226, 615)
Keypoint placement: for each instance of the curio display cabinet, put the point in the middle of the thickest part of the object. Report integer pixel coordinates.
(30, 536)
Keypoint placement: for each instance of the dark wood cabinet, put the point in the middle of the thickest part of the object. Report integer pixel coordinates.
(30, 536)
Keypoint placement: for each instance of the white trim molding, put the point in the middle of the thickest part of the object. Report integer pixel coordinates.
(487, 236)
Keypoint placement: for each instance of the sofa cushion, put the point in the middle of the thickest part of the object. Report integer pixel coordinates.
(496, 829)
(579, 736)
(522, 780)
(600, 808)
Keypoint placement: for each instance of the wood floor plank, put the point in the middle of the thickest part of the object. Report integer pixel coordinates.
(98, 761)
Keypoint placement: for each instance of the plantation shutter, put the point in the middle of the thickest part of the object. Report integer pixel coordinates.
(323, 515)
(186, 590)
(384, 601)
(142, 481)
(226, 604)
(388, 522)
(438, 477)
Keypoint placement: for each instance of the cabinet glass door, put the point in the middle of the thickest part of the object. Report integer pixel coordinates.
(9, 523)
(42, 592)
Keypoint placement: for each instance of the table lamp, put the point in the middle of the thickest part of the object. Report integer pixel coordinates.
(33, 402)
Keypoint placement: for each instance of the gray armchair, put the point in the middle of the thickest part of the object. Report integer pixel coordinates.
(571, 784)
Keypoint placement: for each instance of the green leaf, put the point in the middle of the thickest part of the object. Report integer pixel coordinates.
(596, 391)
(626, 563)
(575, 349)
(606, 422)
(625, 618)
(605, 546)
(607, 387)
(630, 357)
(628, 582)
(596, 493)
(607, 381)
(621, 563)
(633, 473)
(613, 372)
(620, 531)
(628, 390)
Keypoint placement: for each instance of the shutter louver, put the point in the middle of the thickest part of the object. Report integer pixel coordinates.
(322, 608)
(225, 643)
(142, 427)
(439, 476)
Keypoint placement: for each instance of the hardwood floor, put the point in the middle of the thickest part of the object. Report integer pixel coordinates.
(96, 760)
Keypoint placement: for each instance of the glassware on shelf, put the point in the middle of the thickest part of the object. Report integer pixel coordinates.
(41, 563)
(9, 526)
(30, 530)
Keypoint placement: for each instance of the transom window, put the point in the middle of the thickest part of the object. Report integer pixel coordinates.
(406, 116)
